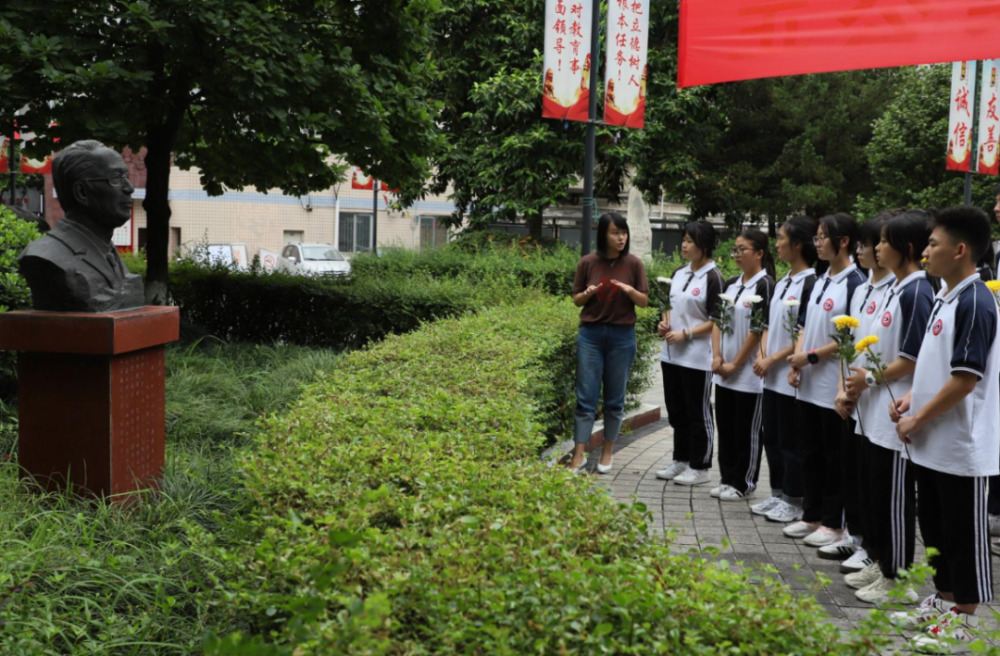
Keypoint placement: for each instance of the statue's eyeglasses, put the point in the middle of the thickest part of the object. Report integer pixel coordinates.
(115, 179)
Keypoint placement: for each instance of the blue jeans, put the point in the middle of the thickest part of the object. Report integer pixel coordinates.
(604, 354)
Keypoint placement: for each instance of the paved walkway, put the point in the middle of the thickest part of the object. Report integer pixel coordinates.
(702, 521)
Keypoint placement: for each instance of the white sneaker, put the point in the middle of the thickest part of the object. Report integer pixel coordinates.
(823, 536)
(839, 550)
(717, 490)
(878, 593)
(995, 525)
(692, 477)
(929, 609)
(765, 506)
(864, 578)
(732, 494)
(952, 633)
(855, 563)
(800, 529)
(783, 513)
(672, 471)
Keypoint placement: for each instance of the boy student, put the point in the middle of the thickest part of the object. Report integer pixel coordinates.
(948, 420)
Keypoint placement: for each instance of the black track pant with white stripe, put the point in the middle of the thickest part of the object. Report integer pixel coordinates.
(891, 506)
(953, 520)
(739, 420)
(820, 438)
(687, 393)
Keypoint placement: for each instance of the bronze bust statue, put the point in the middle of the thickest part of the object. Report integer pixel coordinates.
(75, 267)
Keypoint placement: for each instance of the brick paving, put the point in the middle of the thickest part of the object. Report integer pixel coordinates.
(702, 522)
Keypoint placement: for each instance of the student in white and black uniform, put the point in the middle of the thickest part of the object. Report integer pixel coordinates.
(814, 370)
(865, 306)
(686, 357)
(786, 461)
(888, 492)
(949, 422)
(993, 502)
(737, 388)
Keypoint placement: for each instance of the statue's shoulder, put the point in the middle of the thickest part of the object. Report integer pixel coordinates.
(56, 244)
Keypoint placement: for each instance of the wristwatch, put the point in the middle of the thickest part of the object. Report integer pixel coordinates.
(813, 358)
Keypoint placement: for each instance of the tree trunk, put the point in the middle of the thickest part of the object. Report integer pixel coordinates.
(535, 226)
(772, 230)
(158, 147)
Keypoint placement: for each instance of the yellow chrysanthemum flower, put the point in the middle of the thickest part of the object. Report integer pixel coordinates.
(865, 343)
(845, 321)
(994, 286)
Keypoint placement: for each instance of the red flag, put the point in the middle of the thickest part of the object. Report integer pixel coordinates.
(729, 40)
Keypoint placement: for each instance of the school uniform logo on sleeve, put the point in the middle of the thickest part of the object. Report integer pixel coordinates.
(938, 327)
(871, 308)
(696, 291)
(828, 304)
(887, 319)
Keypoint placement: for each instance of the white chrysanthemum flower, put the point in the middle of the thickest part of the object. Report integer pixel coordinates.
(728, 298)
(664, 281)
(753, 299)
(792, 302)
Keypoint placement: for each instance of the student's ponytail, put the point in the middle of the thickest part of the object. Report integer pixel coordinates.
(759, 240)
(801, 230)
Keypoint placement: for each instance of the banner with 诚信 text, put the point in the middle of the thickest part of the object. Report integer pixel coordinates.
(567, 64)
(963, 99)
(729, 40)
(625, 67)
(989, 120)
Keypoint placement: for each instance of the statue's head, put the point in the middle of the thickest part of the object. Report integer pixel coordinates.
(92, 180)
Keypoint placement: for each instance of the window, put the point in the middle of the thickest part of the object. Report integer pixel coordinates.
(290, 251)
(321, 253)
(355, 232)
(432, 233)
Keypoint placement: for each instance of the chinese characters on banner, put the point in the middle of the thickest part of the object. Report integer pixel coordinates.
(26, 165)
(625, 66)
(566, 76)
(989, 121)
(963, 99)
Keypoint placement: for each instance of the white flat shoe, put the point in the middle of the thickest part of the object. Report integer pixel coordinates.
(605, 469)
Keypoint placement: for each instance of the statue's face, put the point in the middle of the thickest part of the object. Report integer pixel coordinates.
(106, 194)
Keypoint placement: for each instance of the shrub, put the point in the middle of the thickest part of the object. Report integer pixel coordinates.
(402, 510)
(15, 235)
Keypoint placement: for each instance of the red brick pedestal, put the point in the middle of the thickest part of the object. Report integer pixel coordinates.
(90, 396)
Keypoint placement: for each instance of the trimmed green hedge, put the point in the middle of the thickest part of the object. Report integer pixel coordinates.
(401, 509)
(339, 314)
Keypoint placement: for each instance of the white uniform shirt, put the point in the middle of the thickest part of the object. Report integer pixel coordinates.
(790, 288)
(902, 322)
(694, 299)
(961, 336)
(744, 379)
(830, 298)
(865, 304)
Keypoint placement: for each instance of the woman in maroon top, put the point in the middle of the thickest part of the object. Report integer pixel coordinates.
(608, 286)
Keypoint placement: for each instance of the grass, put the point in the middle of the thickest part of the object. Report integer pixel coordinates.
(99, 579)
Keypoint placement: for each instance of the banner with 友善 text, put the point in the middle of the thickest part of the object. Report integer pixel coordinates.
(567, 64)
(989, 120)
(729, 40)
(625, 67)
(963, 99)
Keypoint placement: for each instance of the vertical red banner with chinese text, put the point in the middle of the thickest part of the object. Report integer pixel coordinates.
(567, 68)
(625, 68)
(963, 99)
(729, 40)
(989, 120)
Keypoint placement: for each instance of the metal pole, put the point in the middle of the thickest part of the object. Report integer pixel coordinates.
(968, 188)
(589, 203)
(973, 156)
(374, 215)
(12, 164)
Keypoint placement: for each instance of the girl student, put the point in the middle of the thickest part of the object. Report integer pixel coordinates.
(866, 304)
(737, 388)
(687, 361)
(786, 461)
(609, 285)
(814, 372)
(889, 494)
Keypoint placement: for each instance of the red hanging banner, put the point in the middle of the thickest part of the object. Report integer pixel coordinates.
(729, 40)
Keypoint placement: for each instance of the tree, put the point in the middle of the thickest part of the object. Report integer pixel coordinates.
(252, 93)
(907, 151)
(503, 161)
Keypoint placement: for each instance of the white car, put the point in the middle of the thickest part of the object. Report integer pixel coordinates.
(314, 259)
